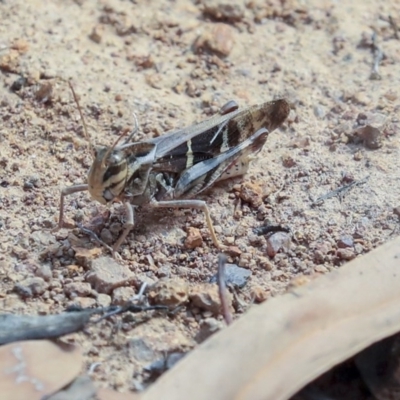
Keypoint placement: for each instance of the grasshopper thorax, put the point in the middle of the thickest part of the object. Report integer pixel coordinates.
(107, 175)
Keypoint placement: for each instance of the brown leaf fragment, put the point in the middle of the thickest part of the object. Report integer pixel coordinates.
(35, 369)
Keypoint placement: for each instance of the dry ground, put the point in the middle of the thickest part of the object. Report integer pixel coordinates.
(145, 57)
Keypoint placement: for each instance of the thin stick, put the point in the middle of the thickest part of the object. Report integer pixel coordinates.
(222, 290)
(377, 58)
(267, 229)
(339, 191)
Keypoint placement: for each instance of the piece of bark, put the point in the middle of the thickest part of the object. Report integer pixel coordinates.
(26, 327)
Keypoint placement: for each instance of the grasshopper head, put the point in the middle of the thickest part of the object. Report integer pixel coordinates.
(107, 175)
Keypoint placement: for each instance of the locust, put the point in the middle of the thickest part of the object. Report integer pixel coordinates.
(169, 171)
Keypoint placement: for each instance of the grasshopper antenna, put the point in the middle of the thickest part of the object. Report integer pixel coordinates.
(120, 137)
(83, 120)
(135, 129)
(103, 163)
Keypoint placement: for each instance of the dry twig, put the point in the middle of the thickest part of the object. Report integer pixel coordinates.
(222, 290)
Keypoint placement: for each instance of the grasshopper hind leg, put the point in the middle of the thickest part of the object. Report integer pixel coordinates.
(197, 204)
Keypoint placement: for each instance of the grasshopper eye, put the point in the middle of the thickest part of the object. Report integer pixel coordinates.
(114, 159)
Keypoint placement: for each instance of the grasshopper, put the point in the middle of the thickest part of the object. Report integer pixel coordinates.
(170, 170)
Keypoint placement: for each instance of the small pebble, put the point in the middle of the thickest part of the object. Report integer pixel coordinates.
(223, 10)
(234, 275)
(345, 241)
(106, 236)
(219, 39)
(44, 92)
(74, 289)
(345, 254)
(319, 111)
(44, 271)
(370, 136)
(31, 287)
(103, 300)
(276, 242)
(97, 34)
(208, 327)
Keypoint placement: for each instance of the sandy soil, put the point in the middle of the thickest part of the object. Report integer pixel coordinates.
(171, 64)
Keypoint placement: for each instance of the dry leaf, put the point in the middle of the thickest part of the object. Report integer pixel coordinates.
(34, 369)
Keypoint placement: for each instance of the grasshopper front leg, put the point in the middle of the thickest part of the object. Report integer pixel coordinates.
(66, 192)
(81, 188)
(130, 215)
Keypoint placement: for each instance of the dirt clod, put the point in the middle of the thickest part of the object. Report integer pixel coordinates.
(205, 296)
(31, 287)
(345, 254)
(193, 239)
(251, 193)
(169, 292)
(219, 40)
(259, 294)
(122, 295)
(74, 289)
(223, 10)
(10, 62)
(85, 256)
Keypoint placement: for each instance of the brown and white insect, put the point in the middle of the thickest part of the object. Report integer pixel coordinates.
(170, 170)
